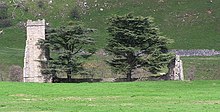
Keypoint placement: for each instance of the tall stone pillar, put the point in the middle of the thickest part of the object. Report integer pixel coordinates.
(33, 54)
(176, 69)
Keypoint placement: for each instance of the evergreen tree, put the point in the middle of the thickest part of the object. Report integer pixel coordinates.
(136, 42)
(67, 46)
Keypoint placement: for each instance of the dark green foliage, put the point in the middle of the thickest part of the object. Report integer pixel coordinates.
(3, 11)
(67, 46)
(4, 20)
(75, 13)
(136, 43)
(40, 4)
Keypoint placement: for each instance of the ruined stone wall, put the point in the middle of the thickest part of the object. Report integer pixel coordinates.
(33, 54)
(176, 69)
(196, 52)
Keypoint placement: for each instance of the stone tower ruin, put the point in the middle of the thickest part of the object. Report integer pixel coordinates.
(33, 54)
(176, 69)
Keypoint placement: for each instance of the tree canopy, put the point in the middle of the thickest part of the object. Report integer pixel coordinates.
(67, 46)
(136, 42)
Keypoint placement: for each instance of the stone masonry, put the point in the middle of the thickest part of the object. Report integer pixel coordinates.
(33, 54)
(196, 52)
(176, 69)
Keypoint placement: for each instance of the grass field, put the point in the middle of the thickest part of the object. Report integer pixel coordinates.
(169, 96)
(203, 68)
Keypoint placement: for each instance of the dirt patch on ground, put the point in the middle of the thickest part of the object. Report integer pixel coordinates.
(89, 98)
(208, 102)
(20, 95)
(76, 98)
(26, 97)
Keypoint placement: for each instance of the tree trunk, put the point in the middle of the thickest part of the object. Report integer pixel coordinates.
(47, 53)
(68, 78)
(129, 76)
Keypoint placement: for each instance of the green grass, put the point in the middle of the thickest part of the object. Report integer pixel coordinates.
(203, 68)
(12, 45)
(198, 96)
(187, 22)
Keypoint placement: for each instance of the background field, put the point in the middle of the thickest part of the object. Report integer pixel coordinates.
(193, 24)
(198, 96)
(202, 68)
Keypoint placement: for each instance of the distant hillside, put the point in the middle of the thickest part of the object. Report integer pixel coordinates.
(193, 24)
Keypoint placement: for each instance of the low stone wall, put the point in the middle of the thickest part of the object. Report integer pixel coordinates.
(81, 80)
(65, 80)
(196, 52)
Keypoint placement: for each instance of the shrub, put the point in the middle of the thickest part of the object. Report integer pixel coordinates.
(3, 11)
(40, 4)
(4, 20)
(75, 13)
(5, 23)
(15, 73)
